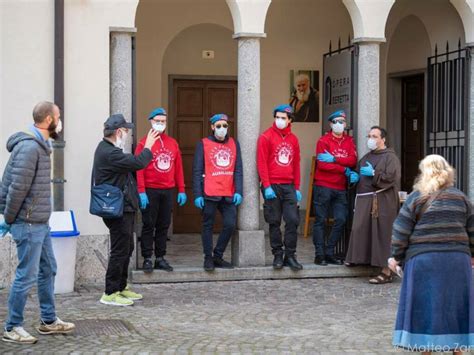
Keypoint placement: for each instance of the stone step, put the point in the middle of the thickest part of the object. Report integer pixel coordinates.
(197, 274)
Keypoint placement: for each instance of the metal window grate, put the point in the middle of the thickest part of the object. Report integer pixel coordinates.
(448, 108)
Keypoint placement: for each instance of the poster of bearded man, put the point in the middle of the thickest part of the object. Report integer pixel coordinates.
(304, 95)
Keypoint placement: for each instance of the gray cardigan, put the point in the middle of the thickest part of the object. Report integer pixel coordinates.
(25, 195)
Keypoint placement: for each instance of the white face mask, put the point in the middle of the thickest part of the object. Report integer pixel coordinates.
(120, 141)
(280, 123)
(338, 128)
(371, 144)
(59, 127)
(159, 127)
(220, 133)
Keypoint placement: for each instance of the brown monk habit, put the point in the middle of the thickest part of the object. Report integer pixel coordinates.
(376, 208)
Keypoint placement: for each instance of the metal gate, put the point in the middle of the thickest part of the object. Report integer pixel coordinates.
(447, 112)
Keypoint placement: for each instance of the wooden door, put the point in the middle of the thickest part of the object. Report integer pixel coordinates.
(192, 103)
(412, 128)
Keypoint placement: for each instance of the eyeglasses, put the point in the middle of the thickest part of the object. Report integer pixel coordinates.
(339, 121)
(225, 125)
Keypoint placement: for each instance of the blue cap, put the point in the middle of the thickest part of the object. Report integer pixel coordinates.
(219, 117)
(337, 114)
(284, 109)
(159, 111)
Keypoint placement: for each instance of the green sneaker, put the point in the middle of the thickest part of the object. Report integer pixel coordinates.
(127, 293)
(115, 299)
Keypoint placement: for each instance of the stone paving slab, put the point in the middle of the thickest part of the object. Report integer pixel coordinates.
(306, 316)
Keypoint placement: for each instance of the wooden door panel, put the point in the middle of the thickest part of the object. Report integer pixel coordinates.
(192, 103)
(412, 128)
(188, 133)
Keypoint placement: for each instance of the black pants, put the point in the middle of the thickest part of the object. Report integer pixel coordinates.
(156, 221)
(229, 215)
(286, 206)
(121, 248)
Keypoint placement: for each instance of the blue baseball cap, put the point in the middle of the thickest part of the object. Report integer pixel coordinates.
(337, 114)
(159, 111)
(284, 109)
(218, 117)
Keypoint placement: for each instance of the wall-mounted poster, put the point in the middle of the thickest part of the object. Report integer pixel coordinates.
(304, 95)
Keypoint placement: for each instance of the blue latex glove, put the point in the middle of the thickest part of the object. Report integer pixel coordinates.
(4, 229)
(237, 199)
(182, 198)
(348, 172)
(143, 200)
(269, 193)
(298, 195)
(326, 157)
(353, 177)
(367, 170)
(199, 202)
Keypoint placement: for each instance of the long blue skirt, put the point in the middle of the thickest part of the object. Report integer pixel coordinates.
(436, 307)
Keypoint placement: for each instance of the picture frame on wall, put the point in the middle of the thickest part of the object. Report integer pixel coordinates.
(304, 95)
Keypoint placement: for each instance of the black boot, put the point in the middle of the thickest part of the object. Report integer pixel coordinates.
(293, 263)
(278, 261)
(333, 260)
(147, 266)
(319, 260)
(162, 264)
(221, 263)
(208, 264)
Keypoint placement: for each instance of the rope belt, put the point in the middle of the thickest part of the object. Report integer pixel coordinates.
(375, 203)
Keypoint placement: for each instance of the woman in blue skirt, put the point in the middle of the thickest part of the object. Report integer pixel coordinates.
(433, 237)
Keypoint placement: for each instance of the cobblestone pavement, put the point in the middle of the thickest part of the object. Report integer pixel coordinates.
(313, 316)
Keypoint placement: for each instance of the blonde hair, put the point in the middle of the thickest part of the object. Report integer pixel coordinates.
(435, 174)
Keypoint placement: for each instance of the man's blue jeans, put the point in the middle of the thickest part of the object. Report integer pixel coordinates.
(323, 199)
(36, 264)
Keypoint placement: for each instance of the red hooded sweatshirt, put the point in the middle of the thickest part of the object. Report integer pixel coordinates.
(278, 157)
(332, 175)
(165, 170)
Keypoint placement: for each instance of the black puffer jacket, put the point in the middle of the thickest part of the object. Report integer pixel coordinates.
(114, 167)
(26, 184)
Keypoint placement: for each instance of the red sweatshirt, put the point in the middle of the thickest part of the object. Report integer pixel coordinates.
(332, 175)
(278, 157)
(165, 170)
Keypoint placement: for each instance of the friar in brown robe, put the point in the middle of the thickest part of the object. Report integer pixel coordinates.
(376, 205)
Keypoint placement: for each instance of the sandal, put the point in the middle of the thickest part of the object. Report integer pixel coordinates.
(381, 279)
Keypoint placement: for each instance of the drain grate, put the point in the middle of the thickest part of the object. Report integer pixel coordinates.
(97, 327)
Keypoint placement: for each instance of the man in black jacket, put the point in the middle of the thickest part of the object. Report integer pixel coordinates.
(114, 167)
(217, 185)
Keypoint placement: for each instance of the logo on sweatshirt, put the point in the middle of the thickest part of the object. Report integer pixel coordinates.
(284, 154)
(163, 160)
(221, 157)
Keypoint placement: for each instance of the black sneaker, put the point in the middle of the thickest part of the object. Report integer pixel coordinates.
(221, 263)
(278, 261)
(147, 266)
(333, 260)
(319, 260)
(293, 263)
(208, 264)
(162, 264)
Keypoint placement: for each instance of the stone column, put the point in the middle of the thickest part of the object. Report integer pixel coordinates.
(470, 174)
(368, 92)
(121, 88)
(121, 75)
(248, 245)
